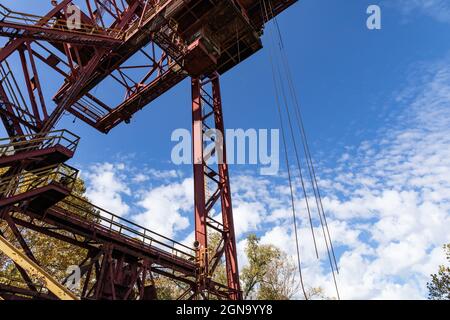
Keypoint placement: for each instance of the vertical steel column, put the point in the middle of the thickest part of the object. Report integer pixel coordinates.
(227, 209)
(204, 202)
(200, 212)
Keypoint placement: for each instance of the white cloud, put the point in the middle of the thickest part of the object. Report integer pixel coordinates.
(163, 174)
(388, 203)
(140, 177)
(106, 187)
(143, 175)
(164, 207)
(247, 216)
(392, 216)
(437, 9)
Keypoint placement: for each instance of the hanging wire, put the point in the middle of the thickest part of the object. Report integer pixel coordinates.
(305, 142)
(294, 215)
(299, 166)
(311, 169)
(306, 148)
(310, 165)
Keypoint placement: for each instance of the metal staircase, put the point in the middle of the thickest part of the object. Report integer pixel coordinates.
(44, 149)
(40, 188)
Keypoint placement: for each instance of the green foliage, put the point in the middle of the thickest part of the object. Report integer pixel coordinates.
(259, 261)
(271, 274)
(168, 289)
(439, 287)
(279, 282)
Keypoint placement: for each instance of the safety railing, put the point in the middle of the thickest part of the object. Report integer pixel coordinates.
(13, 105)
(26, 181)
(90, 108)
(39, 141)
(101, 218)
(19, 113)
(19, 18)
(170, 36)
(146, 17)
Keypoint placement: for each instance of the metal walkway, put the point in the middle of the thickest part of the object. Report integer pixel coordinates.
(19, 25)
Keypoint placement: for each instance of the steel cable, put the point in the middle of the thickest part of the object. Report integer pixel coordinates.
(294, 215)
(306, 150)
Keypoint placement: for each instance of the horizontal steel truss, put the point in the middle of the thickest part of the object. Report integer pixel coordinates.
(143, 29)
(116, 266)
(84, 67)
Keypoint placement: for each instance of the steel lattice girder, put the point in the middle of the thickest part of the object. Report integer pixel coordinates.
(165, 32)
(207, 106)
(175, 39)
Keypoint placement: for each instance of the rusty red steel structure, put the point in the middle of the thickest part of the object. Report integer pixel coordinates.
(141, 48)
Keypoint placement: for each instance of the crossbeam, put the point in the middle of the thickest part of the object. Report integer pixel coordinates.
(35, 271)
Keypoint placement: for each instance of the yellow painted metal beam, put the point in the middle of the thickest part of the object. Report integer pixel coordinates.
(35, 271)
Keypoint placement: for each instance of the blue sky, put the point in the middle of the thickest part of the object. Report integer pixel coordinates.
(376, 109)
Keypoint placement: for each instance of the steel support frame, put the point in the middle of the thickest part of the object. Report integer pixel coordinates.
(84, 64)
(33, 268)
(204, 106)
(115, 277)
(108, 267)
(108, 272)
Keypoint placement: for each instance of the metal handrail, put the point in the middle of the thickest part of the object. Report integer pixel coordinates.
(38, 141)
(145, 18)
(101, 217)
(20, 18)
(18, 111)
(90, 108)
(26, 181)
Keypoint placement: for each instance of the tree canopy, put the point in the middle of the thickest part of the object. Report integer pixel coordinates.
(439, 287)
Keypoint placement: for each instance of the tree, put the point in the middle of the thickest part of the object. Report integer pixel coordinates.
(259, 258)
(168, 289)
(279, 282)
(271, 274)
(439, 287)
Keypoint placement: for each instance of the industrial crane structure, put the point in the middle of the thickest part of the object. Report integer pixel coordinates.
(142, 49)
